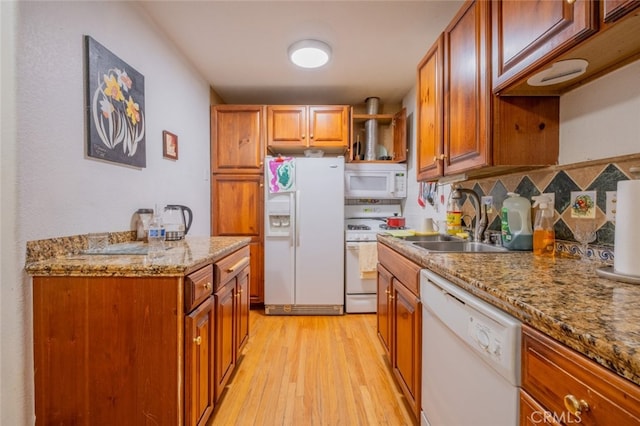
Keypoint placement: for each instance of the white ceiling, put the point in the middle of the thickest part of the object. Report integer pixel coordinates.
(240, 47)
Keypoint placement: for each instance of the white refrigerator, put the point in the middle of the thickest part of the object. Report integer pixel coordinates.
(304, 236)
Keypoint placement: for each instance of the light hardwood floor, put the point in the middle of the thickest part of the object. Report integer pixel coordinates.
(312, 370)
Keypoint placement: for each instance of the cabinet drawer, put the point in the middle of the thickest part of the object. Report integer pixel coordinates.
(230, 266)
(558, 377)
(400, 267)
(198, 286)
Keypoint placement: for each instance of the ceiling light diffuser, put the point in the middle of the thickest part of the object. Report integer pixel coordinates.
(309, 53)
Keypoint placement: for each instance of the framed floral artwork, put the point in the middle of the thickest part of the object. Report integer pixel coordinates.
(169, 145)
(115, 107)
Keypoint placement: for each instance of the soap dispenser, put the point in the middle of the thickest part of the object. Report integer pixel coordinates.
(544, 236)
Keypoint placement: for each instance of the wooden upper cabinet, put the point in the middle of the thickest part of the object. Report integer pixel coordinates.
(237, 138)
(529, 32)
(293, 128)
(466, 83)
(392, 136)
(430, 106)
(237, 205)
(612, 10)
(474, 131)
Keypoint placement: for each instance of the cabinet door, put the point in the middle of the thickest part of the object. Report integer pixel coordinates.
(384, 308)
(225, 308)
(529, 33)
(612, 10)
(467, 109)
(287, 126)
(237, 205)
(532, 413)
(399, 130)
(199, 388)
(237, 140)
(329, 126)
(407, 343)
(430, 113)
(242, 295)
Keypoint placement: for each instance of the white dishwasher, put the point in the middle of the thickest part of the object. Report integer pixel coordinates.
(470, 358)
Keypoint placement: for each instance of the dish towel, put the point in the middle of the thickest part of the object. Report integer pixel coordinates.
(368, 260)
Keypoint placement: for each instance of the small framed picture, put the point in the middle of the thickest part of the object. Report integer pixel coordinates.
(169, 145)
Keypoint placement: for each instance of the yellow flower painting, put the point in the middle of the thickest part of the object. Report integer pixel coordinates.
(115, 107)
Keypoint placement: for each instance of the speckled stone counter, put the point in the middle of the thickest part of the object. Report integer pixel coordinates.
(63, 257)
(561, 297)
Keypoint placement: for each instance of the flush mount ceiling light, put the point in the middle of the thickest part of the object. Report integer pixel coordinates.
(309, 53)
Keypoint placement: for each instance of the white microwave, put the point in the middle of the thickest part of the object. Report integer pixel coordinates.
(375, 180)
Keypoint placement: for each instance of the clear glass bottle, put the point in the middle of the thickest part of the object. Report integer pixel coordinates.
(156, 235)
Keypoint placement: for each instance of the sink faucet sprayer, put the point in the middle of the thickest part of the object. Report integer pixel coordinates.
(480, 211)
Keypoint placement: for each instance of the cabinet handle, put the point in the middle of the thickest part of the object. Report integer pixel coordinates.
(571, 1)
(440, 157)
(207, 286)
(575, 406)
(311, 136)
(197, 340)
(242, 263)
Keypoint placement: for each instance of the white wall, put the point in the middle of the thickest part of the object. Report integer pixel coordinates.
(61, 192)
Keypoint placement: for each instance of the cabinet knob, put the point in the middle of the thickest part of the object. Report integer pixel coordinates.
(574, 405)
(571, 1)
(197, 340)
(311, 136)
(207, 286)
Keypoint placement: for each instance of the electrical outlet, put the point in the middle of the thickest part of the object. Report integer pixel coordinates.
(612, 198)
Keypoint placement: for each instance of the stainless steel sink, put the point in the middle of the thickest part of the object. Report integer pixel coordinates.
(438, 237)
(459, 247)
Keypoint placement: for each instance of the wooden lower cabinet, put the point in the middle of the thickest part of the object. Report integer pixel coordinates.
(562, 386)
(137, 350)
(199, 352)
(400, 321)
(231, 315)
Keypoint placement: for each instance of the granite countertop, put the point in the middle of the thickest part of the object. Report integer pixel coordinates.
(64, 257)
(561, 297)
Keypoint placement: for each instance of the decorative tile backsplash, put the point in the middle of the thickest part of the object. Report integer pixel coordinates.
(600, 176)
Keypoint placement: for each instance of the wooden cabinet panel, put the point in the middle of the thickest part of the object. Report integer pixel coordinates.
(292, 128)
(400, 267)
(97, 355)
(225, 312)
(527, 33)
(237, 205)
(237, 138)
(613, 10)
(256, 281)
(466, 118)
(230, 266)
(555, 375)
(532, 413)
(407, 345)
(329, 127)
(242, 329)
(199, 358)
(198, 286)
(431, 113)
(384, 311)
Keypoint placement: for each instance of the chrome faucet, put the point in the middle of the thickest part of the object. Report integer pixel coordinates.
(482, 220)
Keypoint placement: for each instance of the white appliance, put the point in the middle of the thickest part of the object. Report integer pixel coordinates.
(375, 180)
(304, 237)
(470, 358)
(362, 224)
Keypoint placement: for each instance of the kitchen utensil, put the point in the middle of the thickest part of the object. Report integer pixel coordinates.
(175, 222)
(396, 221)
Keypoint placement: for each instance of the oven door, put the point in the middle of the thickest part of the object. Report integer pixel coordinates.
(360, 291)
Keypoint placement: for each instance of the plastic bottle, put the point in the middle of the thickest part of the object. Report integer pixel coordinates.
(156, 235)
(454, 216)
(516, 223)
(544, 236)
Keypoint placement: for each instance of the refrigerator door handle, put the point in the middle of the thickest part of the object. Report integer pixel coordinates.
(292, 218)
(297, 216)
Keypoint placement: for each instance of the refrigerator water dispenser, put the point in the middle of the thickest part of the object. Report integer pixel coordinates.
(279, 216)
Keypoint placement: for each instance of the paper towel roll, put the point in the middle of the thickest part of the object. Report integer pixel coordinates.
(627, 242)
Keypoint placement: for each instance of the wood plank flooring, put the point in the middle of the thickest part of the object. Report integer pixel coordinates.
(312, 370)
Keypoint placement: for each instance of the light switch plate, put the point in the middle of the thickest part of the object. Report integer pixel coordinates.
(612, 197)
